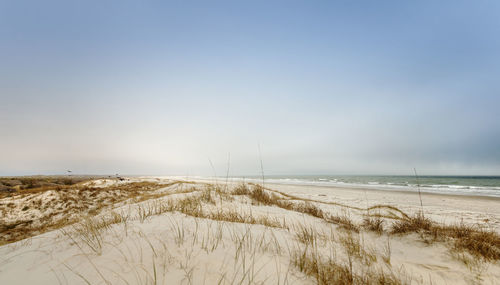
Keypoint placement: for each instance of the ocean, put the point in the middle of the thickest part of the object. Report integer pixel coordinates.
(454, 185)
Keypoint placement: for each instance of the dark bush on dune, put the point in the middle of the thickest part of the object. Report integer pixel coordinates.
(5, 188)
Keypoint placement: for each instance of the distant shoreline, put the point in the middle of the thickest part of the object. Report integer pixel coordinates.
(446, 195)
(478, 187)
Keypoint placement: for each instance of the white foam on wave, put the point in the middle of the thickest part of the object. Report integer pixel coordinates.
(394, 186)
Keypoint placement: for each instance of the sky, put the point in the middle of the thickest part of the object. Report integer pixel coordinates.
(200, 87)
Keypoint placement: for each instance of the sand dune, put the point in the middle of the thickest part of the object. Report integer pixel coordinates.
(172, 231)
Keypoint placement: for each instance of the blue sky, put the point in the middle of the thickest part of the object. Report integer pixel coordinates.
(325, 87)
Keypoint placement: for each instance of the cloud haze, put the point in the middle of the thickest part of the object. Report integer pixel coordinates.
(160, 88)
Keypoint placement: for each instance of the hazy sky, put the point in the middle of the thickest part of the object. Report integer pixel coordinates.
(325, 87)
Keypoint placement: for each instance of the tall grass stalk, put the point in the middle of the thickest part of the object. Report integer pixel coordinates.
(419, 192)
(261, 165)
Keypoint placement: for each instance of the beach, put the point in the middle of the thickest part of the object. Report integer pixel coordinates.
(178, 230)
(447, 208)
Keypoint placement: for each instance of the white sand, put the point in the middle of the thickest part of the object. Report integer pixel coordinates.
(173, 248)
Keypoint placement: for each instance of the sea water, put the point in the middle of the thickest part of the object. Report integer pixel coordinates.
(455, 185)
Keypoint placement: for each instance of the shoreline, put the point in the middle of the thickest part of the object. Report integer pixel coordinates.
(360, 188)
(378, 188)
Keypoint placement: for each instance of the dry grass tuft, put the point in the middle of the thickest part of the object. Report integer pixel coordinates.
(374, 224)
(309, 209)
(329, 271)
(355, 249)
(260, 196)
(474, 240)
(206, 196)
(343, 221)
(416, 224)
(89, 232)
(477, 242)
(241, 189)
(235, 217)
(306, 235)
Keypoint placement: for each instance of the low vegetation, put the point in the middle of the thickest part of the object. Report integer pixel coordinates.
(10, 186)
(472, 239)
(374, 224)
(38, 210)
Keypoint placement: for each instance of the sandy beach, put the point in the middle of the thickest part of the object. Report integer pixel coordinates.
(481, 210)
(184, 231)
